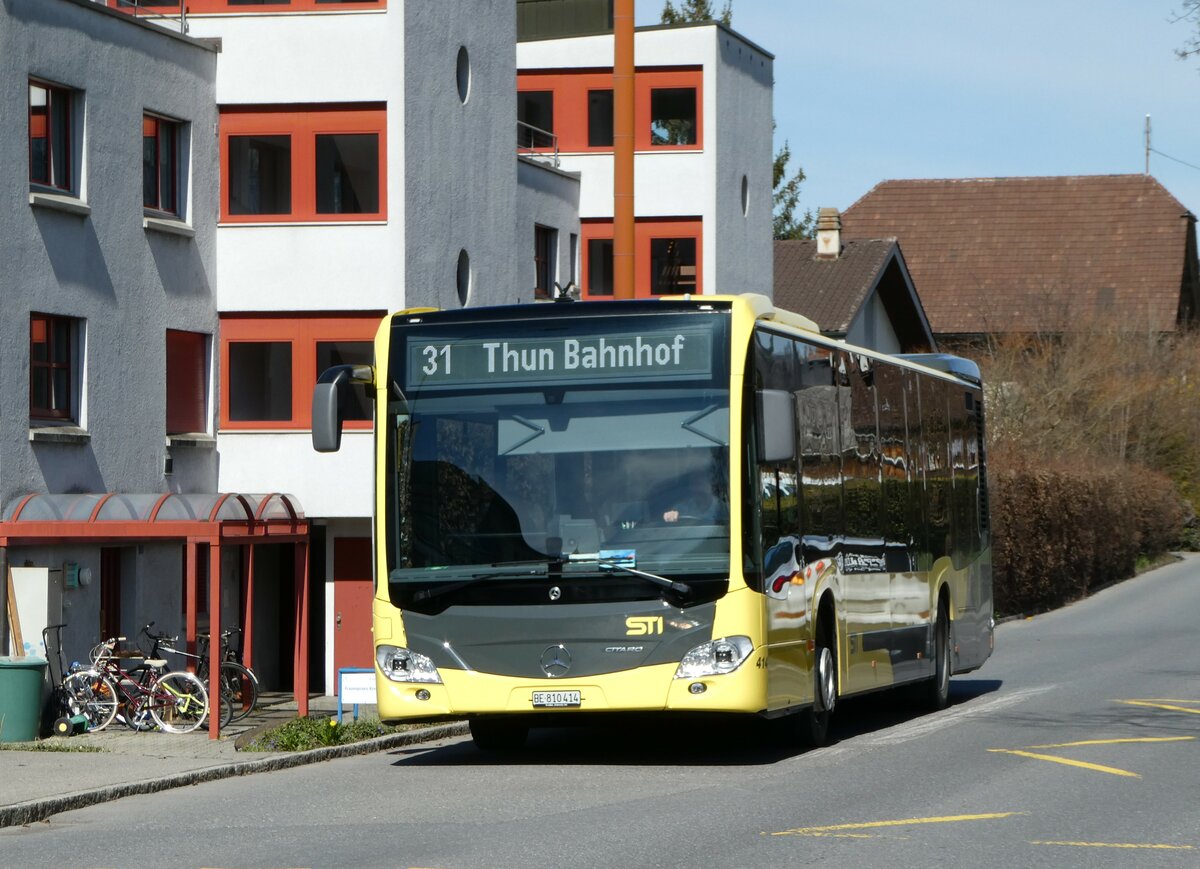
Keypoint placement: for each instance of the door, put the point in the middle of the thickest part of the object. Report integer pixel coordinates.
(110, 593)
(352, 593)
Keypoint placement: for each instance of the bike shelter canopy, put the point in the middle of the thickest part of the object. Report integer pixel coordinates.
(214, 520)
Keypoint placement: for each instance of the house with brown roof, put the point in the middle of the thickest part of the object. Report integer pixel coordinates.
(999, 255)
(859, 291)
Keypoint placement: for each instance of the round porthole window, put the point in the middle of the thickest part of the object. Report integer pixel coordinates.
(464, 278)
(464, 74)
(745, 196)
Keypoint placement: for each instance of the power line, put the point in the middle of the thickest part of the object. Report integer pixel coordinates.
(1150, 150)
(1176, 159)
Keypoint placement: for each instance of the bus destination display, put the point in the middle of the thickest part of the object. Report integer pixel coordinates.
(684, 353)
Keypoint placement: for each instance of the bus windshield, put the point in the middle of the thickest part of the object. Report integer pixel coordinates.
(558, 448)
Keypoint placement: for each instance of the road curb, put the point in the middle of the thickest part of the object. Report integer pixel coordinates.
(38, 810)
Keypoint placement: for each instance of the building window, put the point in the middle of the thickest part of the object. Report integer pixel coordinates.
(600, 267)
(260, 175)
(673, 116)
(260, 381)
(535, 116)
(323, 164)
(667, 257)
(53, 343)
(600, 119)
(672, 266)
(356, 401)
(270, 364)
(187, 382)
(50, 140)
(160, 164)
(545, 244)
(347, 175)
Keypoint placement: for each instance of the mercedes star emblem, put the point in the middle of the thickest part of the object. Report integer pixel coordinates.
(556, 661)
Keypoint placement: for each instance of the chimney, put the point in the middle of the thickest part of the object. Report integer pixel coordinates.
(829, 233)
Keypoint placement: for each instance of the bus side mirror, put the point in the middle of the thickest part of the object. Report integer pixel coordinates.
(776, 426)
(328, 401)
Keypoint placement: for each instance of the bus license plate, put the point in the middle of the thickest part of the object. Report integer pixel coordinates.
(556, 699)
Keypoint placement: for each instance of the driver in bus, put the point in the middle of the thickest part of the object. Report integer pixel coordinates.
(694, 500)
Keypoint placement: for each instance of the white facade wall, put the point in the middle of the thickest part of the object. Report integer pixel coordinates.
(548, 197)
(451, 186)
(736, 135)
(872, 327)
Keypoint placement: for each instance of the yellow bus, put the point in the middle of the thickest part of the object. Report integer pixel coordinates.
(683, 505)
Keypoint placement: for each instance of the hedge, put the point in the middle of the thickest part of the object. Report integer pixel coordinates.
(1061, 532)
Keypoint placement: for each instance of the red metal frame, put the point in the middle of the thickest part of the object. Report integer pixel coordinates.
(211, 532)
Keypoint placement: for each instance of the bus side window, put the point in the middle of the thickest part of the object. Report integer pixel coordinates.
(937, 464)
(860, 454)
(817, 420)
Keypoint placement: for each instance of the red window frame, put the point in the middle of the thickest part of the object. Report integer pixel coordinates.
(302, 333)
(44, 125)
(571, 86)
(44, 329)
(303, 125)
(163, 196)
(645, 231)
(200, 7)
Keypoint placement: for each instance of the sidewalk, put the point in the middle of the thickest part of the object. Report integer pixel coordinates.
(37, 784)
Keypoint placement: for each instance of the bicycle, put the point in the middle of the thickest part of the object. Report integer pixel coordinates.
(79, 691)
(176, 701)
(238, 683)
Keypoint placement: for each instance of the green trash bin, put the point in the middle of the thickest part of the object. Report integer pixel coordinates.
(21, 683)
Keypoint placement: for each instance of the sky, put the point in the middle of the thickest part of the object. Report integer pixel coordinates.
(869, 90)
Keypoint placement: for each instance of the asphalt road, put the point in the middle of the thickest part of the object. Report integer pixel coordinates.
(1077, 745)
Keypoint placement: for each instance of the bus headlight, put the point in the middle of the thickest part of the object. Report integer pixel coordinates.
(405, 665)
(715, 658)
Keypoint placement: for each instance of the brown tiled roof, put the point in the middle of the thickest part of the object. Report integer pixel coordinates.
(1022, 254)
(828, 291)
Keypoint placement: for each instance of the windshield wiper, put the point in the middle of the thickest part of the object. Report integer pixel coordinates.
(527, 570)
(672, 585)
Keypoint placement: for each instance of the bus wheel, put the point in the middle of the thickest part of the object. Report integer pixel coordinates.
(497, 734)
(937, 689)
(816, 720)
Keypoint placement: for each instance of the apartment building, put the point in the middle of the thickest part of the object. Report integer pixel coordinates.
(368, 163)
(108, 254)
(702, 139)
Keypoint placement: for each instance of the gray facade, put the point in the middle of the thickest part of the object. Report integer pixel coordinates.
(87, 253)
(459, 145)
(745, 82)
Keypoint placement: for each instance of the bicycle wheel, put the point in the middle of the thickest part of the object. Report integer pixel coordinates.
(91, 694)
(240, 685)
(178, 702)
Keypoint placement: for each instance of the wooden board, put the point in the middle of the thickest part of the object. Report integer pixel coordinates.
(14, 620)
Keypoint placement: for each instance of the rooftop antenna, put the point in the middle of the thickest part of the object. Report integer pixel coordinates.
(1147, 144)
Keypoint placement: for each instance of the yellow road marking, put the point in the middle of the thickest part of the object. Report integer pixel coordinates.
(1169, 706)
(1117, 741)
(1120, 845)
(1111, 770)
(907, 822)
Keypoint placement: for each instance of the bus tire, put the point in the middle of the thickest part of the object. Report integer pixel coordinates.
(937, 689)
(816, 719)
(498, 734)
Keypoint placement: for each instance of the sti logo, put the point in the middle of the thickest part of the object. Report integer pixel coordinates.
(642, 626)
